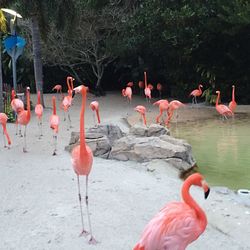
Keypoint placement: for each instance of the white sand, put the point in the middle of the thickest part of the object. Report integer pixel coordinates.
(39, 203)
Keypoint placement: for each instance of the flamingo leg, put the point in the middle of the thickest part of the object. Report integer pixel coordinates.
(4, 141)
(92, 240)
(16, 123)
(94, 120)
(20, 130)
(84, 232)
(25, 143)
(55, 144)
(69, 121)
(41, 127)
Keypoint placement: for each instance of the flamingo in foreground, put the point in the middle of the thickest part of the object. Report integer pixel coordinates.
(17, 106)
(58, 89)
(173, 105)
(163, 106)
(95, 107)
(39, 112)
(3, 121)
(178, 223)
(23, 117)
(130, 84)
(82, 160)
(54, 124)
(195, 93)
(233, 104)
(222, 109)
(142, 110)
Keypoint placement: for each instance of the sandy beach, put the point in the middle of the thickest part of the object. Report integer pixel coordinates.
(39, 203)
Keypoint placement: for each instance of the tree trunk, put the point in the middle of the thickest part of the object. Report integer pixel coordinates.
(1, 78)
(38, 67)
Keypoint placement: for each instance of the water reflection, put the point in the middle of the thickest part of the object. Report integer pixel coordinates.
(221, 148)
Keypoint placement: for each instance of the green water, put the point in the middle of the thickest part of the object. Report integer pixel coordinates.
(221, 149)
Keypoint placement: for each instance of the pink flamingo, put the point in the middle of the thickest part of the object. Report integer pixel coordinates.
(67, 100)
(23, 117)
(142, 110)
(17, 106)
(173, 105)
(159, 88)
(195, 93)
(82, 160)
(130, 84)
(233, 104)
(54, 124)
(178, 223)
(128, 94)
(147, 90)
(163, 106)
(3, 122)
(222, 109)
(95, 107)
(58, 89)
(39, 112)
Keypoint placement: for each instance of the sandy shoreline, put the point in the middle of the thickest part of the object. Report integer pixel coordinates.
(39, 203)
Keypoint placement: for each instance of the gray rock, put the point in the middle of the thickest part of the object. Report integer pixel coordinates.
(152, 130)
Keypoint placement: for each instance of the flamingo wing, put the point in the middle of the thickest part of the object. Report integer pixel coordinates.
(224, 110)
(195, 92)
(173, 228)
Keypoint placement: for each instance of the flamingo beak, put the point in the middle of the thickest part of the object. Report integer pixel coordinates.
(206, 189)
(206, 193)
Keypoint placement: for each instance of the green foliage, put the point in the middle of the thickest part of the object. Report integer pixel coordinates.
(8, 110)
(210, 98)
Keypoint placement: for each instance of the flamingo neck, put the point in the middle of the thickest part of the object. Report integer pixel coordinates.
(217, 99)
(200, 89)
(54, 106)
(12, 94)
(233, 97)
(82, 129)
(38, 98)
(187, 198)
(28, 103)
(144, 119)
(98, 116)
(6, 133)
(145, 79)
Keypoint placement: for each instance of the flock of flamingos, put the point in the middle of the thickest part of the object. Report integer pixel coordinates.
(178, 223)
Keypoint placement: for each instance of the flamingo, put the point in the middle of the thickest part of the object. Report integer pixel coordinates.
(159, 88)
(222, 109)
(142, 110)
(17, 106)
(58, 89)
(147, 90)
(163, 106)
(67, 100)
(128, 94)
(23, 117)
(233, 104)
(178, 223)
(195, 93)
(141, 86)
(39, 112)
(95, 107)
(173, 105)
(3, 121)
(130, 84)
(82, 160)
(54, 124)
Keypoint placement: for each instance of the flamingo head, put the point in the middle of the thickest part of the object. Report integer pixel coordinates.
(79, 89)
(217, 92)
(28, 89)
(198, 180)
(200, 86)
(233, 86)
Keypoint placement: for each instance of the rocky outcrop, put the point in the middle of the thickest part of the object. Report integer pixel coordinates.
(100, 139)
(141, 144)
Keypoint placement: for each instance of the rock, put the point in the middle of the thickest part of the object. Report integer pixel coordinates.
(100, 139)
(152, 130)
(174, 151)
(98, 143)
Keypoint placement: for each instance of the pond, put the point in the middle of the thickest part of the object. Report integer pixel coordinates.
(221, 149)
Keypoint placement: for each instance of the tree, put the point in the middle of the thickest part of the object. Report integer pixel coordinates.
(2, 30)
